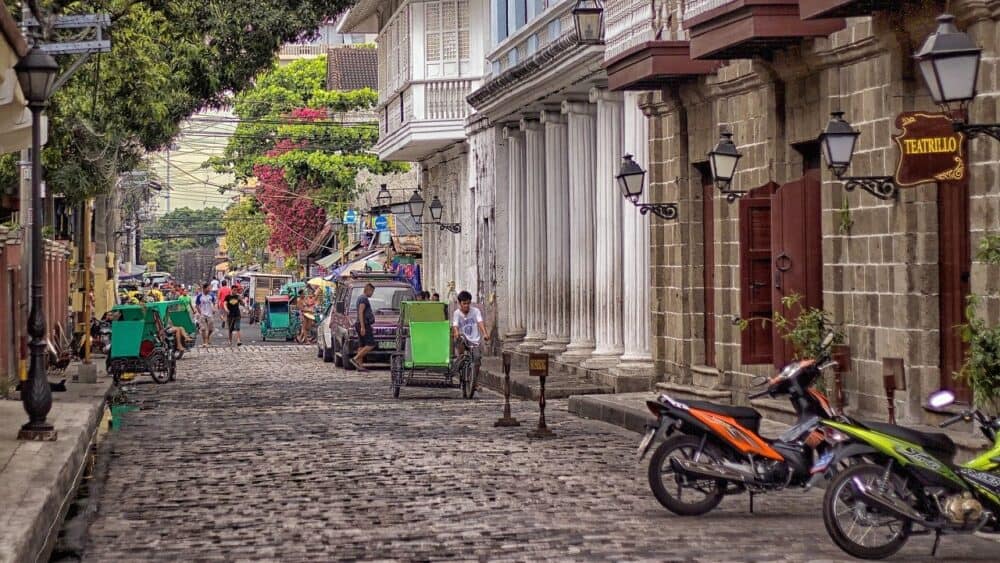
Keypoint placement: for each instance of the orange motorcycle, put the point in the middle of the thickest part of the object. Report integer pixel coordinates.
(710, 451)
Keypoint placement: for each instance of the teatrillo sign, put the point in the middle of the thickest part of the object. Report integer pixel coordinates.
(929, 149)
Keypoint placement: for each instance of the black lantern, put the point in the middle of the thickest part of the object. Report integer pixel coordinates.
(588, 15)
(723, 160)
(416, 204)
(36, 72)
(949, 64)
(838, 141)
(384, 198)
(631, 177)
(437, 208)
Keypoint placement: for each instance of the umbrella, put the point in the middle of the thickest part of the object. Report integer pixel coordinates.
(321, 282)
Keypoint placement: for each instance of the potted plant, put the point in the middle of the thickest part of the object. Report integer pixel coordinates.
(981, 369)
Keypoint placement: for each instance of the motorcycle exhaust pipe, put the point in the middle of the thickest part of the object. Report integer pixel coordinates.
(709, 471)
(888, 504)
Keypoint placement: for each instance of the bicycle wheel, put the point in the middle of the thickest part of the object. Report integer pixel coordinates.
(469, 379)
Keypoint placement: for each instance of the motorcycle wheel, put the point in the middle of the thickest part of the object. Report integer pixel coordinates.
(704, 495)
(850, 521)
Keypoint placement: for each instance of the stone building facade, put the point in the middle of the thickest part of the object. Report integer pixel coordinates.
(893, 273)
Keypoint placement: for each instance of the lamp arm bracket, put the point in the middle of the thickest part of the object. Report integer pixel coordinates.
(974, 130)
(882, 187)
(452, 227)
(665, 211)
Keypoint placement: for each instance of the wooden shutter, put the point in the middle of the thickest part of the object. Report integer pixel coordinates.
(755, 275)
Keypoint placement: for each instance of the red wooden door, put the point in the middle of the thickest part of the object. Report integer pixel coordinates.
(708, 260)
(755, 275)
(955, 263)
(797, 253)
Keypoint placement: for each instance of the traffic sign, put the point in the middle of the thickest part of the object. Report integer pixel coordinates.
(382, 223)
(350, 217)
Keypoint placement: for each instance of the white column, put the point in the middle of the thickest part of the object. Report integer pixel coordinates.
(638, 357)
(582, 154)
(534, 160)
(608, 241)
(557, 231)
(515, 234)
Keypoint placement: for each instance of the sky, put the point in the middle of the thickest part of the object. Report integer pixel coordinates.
(203, 136)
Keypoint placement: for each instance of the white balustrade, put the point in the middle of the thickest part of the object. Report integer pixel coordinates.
(694, 8)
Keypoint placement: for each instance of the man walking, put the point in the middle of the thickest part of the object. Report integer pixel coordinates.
(232, 305)
(365, 326)
(224, 292)
(204, 305)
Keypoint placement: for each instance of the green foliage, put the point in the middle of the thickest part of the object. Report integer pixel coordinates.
(981, 369)
(805, 330)
(186, 220)
(246, 232)
(169, 59)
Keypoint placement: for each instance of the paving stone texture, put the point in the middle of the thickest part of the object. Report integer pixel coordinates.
(268, 453)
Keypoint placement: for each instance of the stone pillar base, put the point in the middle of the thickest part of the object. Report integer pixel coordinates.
(631, 376)
(600, 361)
(554, 346)
(530, 345)
(577, 353)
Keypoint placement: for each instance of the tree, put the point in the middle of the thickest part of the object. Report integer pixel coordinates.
(170, 58)
(246, 232)
(304, 161)
(186, 220)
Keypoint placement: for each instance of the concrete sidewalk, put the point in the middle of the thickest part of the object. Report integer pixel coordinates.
(38, 479)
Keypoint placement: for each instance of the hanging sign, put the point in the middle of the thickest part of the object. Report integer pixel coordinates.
(538, 365)
(381, 223)
(929, 149)
(350, 217)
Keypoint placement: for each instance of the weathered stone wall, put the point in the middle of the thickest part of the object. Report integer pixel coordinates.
(880, 258)
(448, 261)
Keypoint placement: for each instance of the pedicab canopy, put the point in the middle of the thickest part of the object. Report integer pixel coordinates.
(430, 334)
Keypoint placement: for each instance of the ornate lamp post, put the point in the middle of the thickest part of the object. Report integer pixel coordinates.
(949, 64)
(588, 16)
(630, 178)
(437, 209)
(723, 160)
(36, 72)
(837, 142)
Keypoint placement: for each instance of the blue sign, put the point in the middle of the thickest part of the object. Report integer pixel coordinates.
(350, 217)
(381, 223)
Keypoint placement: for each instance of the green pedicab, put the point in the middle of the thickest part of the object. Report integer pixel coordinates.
(423, 355)
(278, 321)
(140, 344)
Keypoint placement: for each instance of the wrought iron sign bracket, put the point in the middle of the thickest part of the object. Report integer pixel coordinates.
(452, 227)
(665, 211)
(974, 130)
(882, 187)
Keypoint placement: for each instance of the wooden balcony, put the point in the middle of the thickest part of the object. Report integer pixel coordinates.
(741, 29)
(816, 9)
(649, 65)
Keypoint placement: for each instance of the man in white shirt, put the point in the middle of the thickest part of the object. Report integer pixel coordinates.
(204, 305)
(468, 322)
(215, 287)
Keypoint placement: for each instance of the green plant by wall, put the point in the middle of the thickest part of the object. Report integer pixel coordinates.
(846, 222)
(805, 330)
(981, 369)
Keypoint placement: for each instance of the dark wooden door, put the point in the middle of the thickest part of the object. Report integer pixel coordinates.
(708, 260)
(755, 275)
(797, 253)
(955, 263)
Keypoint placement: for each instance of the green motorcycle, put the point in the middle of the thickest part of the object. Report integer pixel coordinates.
(909, 479)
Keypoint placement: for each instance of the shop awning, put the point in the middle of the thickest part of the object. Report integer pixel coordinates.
(331, 259)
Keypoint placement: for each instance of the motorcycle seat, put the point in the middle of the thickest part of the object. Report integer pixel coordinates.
(746, 416)
(934, 442)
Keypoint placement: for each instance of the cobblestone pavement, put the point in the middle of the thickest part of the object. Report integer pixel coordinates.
(268, 453)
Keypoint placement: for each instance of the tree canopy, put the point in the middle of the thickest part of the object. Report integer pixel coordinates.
(164, 238)
(169, 59)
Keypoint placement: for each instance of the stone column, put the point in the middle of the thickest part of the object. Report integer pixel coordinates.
(534, 160)
(515, 235)
(557, 231)
(638, 357)
(582, 154)
(608, 240)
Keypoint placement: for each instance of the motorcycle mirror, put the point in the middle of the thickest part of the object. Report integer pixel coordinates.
(759, 380)
(940, 399)
(828, 340)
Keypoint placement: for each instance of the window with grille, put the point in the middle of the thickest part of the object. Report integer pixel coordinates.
(394, 55)
(446, 28)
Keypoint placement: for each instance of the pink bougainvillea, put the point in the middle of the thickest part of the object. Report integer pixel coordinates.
(308, 114)
(291, 215)
(285, 145)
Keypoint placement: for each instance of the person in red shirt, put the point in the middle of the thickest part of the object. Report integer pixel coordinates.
(224, 292)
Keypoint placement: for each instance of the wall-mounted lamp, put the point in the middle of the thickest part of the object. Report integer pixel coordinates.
(631, 178)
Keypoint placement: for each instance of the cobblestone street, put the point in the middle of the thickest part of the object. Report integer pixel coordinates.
(268, 453)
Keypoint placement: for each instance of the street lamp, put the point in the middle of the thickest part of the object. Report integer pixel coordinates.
(630, 178)
(949, 64)
(36, 72)
(384, 198)
(837, 143)
(722, 161)
(437, 210)
(588, 16)
(416, 205)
